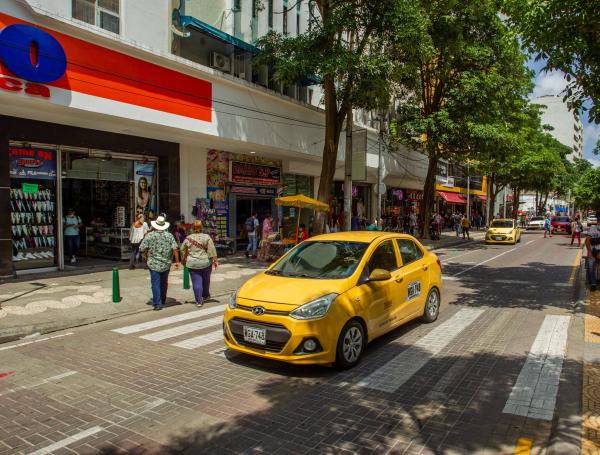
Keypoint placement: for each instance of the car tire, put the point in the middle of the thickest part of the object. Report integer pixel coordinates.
(432, 306)
(350, 346)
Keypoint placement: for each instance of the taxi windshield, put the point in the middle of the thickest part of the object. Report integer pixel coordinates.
(321, 260)
(506, 224)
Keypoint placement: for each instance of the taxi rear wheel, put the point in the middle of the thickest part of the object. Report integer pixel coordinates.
(350, 345)
(432, 306)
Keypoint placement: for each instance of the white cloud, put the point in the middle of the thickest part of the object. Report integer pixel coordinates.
(549, 83)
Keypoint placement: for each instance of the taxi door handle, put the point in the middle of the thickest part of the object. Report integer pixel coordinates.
(399, 280)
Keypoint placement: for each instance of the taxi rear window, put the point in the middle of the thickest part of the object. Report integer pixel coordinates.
(502, 224)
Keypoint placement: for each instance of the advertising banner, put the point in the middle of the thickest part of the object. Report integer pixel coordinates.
(145, 179)
(257, 174)
(32, 163)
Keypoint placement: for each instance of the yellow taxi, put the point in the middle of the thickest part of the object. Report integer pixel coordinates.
(328, 297)
(503, 230)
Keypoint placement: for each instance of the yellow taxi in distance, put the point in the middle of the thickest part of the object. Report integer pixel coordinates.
(503, 230)
(324, 300)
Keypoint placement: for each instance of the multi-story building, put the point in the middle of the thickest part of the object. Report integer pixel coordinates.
(111, 107)
(566, 124)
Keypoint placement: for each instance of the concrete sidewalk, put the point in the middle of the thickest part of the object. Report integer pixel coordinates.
(70, 300)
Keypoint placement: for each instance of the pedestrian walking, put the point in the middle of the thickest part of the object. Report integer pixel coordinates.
(576, 229)
(251, 226)
(136, 234)
(158, 248)
(199, 255)
(592, 244)
(465, 225)
(265, 242)
(72, 223)
(547, 226)
(456, 219)
(413, 223)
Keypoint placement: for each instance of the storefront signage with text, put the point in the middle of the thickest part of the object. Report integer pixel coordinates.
(258, 174)
(32, 163)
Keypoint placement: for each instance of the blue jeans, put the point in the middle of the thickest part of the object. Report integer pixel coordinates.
(457, 229)
(591, 271)
(201, 282)
(251, 244)
(160, 283)
(71, 244)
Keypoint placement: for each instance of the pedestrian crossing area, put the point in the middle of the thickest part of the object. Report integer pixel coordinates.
(533, 392)
(191, 330)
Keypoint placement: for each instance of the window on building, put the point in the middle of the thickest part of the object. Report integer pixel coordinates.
(270, 13)
(298, 8)
(285, 17)
(101, 13)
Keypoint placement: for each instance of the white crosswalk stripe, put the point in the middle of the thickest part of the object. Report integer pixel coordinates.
(534, 393)
(183, 329)
(169, 320)
(202, 340)
(401, 368)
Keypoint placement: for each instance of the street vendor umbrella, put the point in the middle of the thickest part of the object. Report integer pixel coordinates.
(300, 201)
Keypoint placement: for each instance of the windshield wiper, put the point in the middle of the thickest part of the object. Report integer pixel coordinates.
(300, 275)
(273, 272)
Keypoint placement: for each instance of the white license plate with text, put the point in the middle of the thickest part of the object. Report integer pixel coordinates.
(255, 335)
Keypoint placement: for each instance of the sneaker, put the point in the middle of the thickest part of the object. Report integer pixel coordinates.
(73, 260)
(156, 307)
(199, 304)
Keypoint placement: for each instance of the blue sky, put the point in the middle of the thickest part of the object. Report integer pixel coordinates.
(553, 83)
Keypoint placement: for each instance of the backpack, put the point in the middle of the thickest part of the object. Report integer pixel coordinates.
(249, 225)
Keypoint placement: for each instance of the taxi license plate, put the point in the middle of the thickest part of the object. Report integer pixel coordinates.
(498, 237)
(255, 335)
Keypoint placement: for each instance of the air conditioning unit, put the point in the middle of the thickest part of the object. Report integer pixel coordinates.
(220, 62)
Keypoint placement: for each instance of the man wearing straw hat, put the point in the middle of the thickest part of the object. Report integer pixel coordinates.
(159, 247)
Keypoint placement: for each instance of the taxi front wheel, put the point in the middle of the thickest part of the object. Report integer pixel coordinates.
(432, 306)
(350, 345)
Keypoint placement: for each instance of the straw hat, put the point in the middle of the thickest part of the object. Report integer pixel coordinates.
(160, 224)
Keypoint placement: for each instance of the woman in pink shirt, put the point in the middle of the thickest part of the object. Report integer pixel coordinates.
(265, 243)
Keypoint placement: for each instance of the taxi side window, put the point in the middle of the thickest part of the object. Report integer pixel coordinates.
(409, 251)
(384, 257)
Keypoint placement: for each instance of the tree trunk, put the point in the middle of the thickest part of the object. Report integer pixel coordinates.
(429, 192)
(515, 203)
(348, 173)
(545, 202)
(491, 199)
(330, 150)
(537, 203)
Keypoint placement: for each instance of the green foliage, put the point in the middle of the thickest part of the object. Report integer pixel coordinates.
(567, 35)
(587, 190)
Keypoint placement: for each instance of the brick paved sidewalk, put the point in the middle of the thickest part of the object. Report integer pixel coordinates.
(591, 376)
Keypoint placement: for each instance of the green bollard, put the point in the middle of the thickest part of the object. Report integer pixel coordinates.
(116, 289)
(186, 277)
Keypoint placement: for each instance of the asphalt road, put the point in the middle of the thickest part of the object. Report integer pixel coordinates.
(499, 371)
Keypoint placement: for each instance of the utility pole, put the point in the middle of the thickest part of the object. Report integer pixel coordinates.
(379, 170)
(348, 172)
(468, 189)
(504, 195)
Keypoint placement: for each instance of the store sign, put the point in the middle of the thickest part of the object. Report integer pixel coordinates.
(255, 173)
(30, 188)
(414, 195)
(254, 190)
(32, 163)
(398, 193)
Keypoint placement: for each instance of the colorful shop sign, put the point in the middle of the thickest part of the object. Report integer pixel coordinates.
(257, 174)
(32, 163)
(254, 190)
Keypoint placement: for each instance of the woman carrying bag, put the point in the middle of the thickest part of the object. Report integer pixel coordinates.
(199, 255)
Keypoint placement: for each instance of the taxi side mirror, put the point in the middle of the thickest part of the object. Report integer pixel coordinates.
(380, 275)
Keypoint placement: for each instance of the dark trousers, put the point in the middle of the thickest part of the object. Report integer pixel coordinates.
(576, 235)
(135, 248)
(71, 244)
(465, 230)
(160, 283)
(201, 282)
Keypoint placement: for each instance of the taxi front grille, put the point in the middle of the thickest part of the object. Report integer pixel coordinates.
(267, 311)
(277, 335)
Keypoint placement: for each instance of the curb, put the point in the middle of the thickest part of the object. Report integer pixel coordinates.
(17, 333)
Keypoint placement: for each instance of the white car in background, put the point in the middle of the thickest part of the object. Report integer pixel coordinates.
(591, 219)
(535, 222)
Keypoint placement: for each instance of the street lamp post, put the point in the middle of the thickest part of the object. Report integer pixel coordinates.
(468, 190)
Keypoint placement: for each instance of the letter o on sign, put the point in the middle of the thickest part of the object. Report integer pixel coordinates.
(16, 44)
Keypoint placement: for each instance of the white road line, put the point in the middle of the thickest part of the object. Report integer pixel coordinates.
(484, 262)
(460, 255)
(401, 368)
(170, 320)
(183, 329)
(65, 442)
(202, 340)
(37, 384)
(4, 348)
(534, 393)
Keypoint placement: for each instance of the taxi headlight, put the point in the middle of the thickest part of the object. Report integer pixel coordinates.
(314, 309)
(233, 300)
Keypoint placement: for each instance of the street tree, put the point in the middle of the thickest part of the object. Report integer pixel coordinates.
(345, 48)
(587, 190)
(566, 35)
(471, 78)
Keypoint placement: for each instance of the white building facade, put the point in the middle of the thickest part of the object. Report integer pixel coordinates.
(114, 107)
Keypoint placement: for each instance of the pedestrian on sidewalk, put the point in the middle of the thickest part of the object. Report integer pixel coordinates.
(199, 255)
(413, 223)
(72, 223)
(465, 225)
(138, 231)
(456, 219)
(251, 226)
(547, 226)
(159, 247)
(576, 229)
(592, 244)
(265, 242)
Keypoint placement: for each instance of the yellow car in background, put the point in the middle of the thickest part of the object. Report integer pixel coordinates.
(328, 297)
(503, 230)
